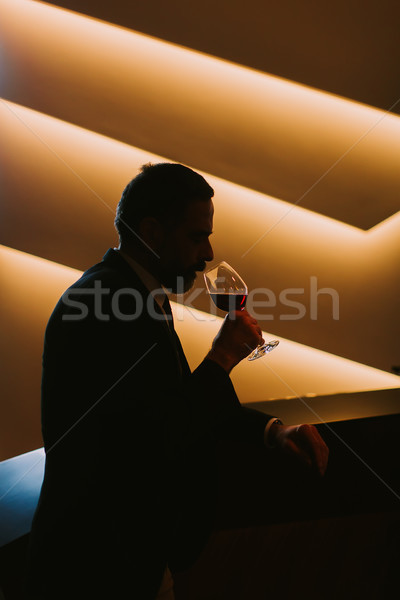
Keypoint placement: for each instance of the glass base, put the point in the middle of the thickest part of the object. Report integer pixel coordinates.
(264, 349)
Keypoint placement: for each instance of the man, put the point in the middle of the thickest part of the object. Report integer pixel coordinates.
(129, 431)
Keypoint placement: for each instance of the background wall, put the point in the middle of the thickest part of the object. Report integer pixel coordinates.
(306, 182)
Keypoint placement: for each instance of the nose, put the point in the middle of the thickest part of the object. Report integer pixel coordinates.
(208, 251)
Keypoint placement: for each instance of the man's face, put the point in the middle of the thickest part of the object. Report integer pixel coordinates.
(186, 247)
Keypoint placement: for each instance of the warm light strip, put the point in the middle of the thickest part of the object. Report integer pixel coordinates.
(290, 370)
(273, 135)
(30, 289)
(61, 185)
(90, 171)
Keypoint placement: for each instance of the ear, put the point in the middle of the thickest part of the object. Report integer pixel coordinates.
(152, 232)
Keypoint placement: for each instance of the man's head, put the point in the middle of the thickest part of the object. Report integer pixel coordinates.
(164, 219)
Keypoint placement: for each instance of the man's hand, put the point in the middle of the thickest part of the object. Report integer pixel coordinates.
(303, 442)
(238, 336)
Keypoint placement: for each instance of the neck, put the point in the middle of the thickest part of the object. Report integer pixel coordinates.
(146, 258)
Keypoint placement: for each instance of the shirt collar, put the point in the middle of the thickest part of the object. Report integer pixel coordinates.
(152, 284)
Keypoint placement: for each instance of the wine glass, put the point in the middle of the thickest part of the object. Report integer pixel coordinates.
(229, 292)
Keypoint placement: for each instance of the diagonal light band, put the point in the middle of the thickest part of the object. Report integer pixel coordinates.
(269, 134)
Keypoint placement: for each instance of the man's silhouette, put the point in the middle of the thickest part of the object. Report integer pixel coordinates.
(129, 431)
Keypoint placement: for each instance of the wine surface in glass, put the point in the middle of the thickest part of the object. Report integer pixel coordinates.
(227, 302)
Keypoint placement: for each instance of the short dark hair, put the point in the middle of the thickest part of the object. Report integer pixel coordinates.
(163, 191)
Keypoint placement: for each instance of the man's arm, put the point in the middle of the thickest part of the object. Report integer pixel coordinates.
(239, 334)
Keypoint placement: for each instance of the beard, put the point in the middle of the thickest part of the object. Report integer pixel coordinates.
(180, 281)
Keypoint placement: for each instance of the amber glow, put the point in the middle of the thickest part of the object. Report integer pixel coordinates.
(31, 287)
(292, 370)
(245, 126)
(91, 170)
(63, 208)
(118, 94)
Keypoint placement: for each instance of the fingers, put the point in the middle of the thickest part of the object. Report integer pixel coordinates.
(250, 323)
(238, 336)
(296, 451)
(315, 446)
(304, 443)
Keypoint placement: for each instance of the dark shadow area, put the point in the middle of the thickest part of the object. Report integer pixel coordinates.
(262, 487)
(283, 532)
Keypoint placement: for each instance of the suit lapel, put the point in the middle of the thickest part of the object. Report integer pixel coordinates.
(113, 260)
(173, 337)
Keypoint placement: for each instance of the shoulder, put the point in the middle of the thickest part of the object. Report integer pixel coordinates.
(112, 271)
(109, 292)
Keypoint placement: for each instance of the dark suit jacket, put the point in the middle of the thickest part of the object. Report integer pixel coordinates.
(129, 435)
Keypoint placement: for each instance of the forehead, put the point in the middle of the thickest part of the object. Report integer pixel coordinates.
(199, 215)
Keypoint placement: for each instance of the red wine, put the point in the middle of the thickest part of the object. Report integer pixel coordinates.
(229, 302)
